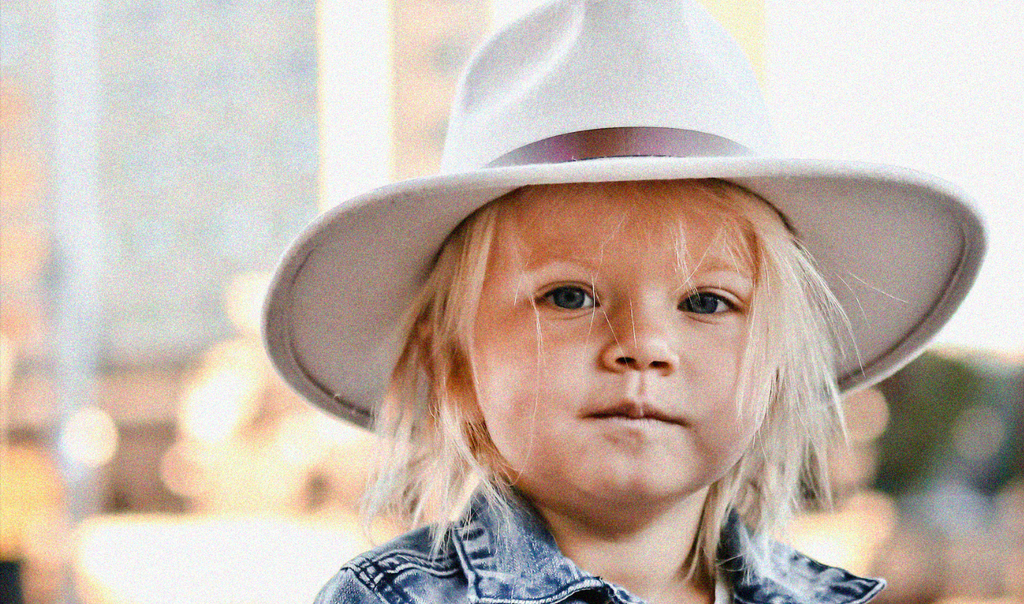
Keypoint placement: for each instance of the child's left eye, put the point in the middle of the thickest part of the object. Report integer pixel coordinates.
(570, 298)
(705, 304)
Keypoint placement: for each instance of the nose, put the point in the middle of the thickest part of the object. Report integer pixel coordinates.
(643, 347)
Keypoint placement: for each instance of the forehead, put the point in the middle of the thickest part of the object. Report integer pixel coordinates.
(586, 221)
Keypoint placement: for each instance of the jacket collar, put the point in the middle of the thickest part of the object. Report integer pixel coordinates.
(513, 558)
(762, 570)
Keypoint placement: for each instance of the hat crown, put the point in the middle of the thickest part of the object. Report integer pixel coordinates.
(582, 65)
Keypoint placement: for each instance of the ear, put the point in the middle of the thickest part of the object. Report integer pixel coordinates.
(461, 383)
(420, 345)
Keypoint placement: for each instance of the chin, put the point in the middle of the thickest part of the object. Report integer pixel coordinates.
(640, 488)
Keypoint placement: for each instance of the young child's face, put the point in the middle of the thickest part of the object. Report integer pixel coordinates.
(607, 343)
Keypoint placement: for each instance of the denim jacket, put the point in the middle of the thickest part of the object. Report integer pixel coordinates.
(489, 560)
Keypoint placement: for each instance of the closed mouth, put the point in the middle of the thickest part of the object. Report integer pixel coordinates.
(630, 410)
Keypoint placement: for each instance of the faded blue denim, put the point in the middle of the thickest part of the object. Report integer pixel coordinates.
(490, 561)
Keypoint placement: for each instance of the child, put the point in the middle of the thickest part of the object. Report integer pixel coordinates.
(625, 333)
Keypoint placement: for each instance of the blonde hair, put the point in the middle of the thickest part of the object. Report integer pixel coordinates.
(436, 450)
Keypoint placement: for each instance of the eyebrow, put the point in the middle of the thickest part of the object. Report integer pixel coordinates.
(729, 276)
(575, 263)
(711, 268)
(713, 262)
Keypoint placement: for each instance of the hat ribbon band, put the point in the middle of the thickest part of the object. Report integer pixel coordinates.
(621, 142)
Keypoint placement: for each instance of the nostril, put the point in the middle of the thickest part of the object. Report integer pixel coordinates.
(627, 361)
(659, 363)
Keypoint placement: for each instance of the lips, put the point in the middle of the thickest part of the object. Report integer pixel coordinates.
(634, 410)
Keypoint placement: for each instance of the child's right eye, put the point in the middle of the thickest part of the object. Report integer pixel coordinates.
(570, 297)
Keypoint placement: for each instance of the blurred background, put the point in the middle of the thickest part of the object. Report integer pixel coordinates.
(158, 155)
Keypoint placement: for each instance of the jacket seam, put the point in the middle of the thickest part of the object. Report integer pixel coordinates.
(867, 596)
(400, 559)
(580, 586)
(874, 591)
(380, 581)
(360, 575)
(375, 585)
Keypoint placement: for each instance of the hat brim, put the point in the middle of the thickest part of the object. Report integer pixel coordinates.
(900, 249)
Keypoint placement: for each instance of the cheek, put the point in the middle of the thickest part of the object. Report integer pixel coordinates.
(527, 392)
(741, 410)
(520, 364)
(715, 351)
(506, 385)
(503, 369)
(729, 348)
(728, 438)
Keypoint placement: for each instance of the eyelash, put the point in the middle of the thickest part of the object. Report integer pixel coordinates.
(696, 296)
(589, 300)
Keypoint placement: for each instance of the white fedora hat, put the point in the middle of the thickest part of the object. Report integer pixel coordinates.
(602, 91)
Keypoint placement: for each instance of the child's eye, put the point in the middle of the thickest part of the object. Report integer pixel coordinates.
(705, 304)
(570, 297)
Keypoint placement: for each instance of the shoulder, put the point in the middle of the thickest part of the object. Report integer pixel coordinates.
(789, 576)
(763, 570)
(404, 570)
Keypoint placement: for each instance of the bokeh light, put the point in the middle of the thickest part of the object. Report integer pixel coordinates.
(182, 470)
(89, 438)
(850, 537)
(867, 415)
(979, 432)
(243, 301)
(8, 357)
(223, 395)
(209, 560)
